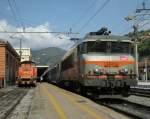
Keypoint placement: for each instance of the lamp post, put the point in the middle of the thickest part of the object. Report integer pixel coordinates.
(135, 27)
(20, 52)
(145, 69)
(140, 13)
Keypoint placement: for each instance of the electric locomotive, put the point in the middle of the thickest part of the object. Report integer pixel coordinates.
(100, 64)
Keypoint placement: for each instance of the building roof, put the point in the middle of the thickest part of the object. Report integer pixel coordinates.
(4, 43)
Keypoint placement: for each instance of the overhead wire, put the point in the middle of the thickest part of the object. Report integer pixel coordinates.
(19, 14)
(13, 11)
(144, 24)
(84, 14)
(98, 11)
(27, 21)
(139, 27)
(127, 29)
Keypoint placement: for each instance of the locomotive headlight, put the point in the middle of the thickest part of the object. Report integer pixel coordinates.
(97, 70)
(126, 70)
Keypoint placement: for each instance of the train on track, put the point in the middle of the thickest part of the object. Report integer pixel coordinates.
(99, 64)
(27, 74)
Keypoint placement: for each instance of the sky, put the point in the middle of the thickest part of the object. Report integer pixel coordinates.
(60, 16)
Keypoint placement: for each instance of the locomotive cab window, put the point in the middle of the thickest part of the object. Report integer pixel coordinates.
(120, 47)
(94, 46)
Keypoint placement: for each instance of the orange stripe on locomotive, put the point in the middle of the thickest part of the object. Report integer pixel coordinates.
(109, 63)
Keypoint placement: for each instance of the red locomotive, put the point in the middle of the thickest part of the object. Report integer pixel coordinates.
(27, 74)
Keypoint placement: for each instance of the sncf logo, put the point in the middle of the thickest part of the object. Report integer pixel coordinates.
(124, 58)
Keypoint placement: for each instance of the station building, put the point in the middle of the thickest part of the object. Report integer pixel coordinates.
(9, 64)
(25, 53)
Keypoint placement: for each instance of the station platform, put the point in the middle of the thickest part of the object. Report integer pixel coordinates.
(143, 85)
(51, 102)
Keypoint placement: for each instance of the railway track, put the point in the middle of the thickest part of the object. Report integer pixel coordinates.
(130, 109)
(10, 100)
(140, 92)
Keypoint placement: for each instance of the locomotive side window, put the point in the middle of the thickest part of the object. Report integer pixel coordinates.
(68, 62)
(83, 48)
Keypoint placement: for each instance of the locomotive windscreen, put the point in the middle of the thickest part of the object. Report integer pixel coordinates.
(108, 46)
(96, 46)
(121, 47)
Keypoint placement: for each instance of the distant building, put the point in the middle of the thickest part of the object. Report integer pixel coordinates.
(25, 53)
(9, 64)
(144, 66)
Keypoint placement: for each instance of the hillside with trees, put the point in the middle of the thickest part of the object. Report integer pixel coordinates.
(144, 42)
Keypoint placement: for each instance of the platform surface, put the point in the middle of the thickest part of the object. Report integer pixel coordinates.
(51, 102)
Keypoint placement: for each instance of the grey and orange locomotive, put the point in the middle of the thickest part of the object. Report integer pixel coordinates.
(100, 64)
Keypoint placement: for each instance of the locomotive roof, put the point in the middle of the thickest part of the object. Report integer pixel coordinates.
(25, 62)
(90, 37)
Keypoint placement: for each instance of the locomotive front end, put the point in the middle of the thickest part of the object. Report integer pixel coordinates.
(108, 64)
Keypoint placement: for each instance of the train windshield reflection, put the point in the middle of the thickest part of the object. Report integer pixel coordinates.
(96, 46)
(105, 46)
(121, 47)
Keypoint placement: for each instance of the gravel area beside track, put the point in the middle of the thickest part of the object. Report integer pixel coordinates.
(23, 109)
(4, 91)
(10, 100)
(132, 109)
(139, 100)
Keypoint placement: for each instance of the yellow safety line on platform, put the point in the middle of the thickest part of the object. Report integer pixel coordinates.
(55, 104)
(83, 107)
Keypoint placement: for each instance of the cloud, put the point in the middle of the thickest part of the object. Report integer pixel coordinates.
(34, 41)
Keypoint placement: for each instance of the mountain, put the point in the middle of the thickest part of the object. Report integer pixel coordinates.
(47, 56)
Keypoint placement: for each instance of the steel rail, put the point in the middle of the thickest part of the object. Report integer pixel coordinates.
(18, 95)
(130, 109)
